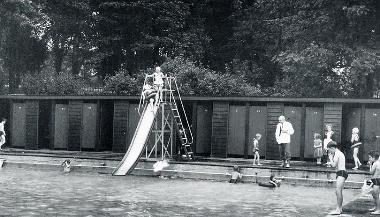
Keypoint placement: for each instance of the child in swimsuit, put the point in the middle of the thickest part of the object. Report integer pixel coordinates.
(236, 176)
(148, 93)
(158, 82)
(328, 138)
(355, 147)
(318, 150)
(256, 154)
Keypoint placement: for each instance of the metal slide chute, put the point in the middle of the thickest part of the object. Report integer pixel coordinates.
(138, 142)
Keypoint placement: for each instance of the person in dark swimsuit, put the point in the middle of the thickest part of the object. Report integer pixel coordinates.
(375, 180)
(338, 160)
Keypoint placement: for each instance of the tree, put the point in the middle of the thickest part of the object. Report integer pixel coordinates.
(21, 47)
(140, 34)
(320, 45)
(72, 33)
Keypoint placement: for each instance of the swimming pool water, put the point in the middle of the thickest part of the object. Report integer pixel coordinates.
(31, 192)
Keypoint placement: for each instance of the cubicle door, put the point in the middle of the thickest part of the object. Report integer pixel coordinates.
(61, 126)
(314, 124)
(18, 124)
(371, 131)
(352, 120)
(89, 124)
(294, 116)
(257, 124)
(236, 131)
(203, 134)
(133, 121)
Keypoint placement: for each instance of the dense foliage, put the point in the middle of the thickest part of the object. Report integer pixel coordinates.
(296, 48)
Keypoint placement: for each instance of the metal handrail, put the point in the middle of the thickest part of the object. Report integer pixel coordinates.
(141, 95)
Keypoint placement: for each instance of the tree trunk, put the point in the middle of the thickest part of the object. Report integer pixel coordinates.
(370, 79)
(14, 81)
(58, 53)
(75, 63)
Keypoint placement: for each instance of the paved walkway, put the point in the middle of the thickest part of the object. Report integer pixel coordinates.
(358, 207)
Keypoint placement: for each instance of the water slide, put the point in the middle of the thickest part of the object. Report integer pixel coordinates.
(138, 142)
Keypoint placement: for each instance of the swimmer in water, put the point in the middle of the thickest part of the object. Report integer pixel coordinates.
(236, 176)
(275, 182)
(66, 166)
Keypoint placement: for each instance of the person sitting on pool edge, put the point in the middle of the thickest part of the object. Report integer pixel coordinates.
(338, 160)
(236, 176)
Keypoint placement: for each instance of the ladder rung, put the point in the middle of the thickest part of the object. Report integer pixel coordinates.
(187, 145)
(176, 116)
(189, 152)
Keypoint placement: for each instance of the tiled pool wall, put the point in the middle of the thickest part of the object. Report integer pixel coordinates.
(196, 170)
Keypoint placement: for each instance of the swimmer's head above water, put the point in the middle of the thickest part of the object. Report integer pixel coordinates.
(236, 168)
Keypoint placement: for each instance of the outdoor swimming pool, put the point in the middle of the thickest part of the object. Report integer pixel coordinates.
(31, 192)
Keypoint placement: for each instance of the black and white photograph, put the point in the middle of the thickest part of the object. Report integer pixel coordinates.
(190, 108)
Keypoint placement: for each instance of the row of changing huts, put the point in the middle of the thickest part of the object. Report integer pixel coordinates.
(222, 126)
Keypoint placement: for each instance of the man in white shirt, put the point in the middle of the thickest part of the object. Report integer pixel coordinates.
(2, 132)
(283, 132)
(338, 160)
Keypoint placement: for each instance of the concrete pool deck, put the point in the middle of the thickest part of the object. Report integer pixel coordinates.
(358, 207)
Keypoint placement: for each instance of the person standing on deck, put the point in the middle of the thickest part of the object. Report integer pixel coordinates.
(283, 132)
(338, 160)
(2, 132)
(375, 181)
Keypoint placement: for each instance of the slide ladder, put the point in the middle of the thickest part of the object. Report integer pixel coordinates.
(185, 134)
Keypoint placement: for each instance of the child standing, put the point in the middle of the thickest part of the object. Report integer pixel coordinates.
(318, 151)
(355, 141)
(329, 136)
(158, 82)
(256, 154)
